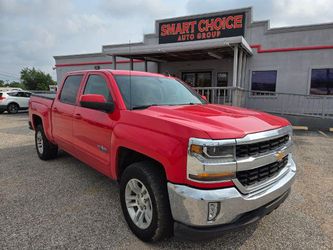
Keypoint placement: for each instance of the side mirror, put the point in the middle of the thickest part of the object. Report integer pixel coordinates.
(204, 97)
(98, 102)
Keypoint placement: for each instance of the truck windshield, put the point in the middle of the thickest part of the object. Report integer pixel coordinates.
(140, 92)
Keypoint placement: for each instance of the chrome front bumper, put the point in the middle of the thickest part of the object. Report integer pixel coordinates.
(190, 205)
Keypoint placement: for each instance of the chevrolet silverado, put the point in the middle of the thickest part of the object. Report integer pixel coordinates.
(185, 167)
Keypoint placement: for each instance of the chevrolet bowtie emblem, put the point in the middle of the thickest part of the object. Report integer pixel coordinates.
(279, 156)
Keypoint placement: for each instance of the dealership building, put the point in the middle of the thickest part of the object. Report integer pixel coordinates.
(232, 60)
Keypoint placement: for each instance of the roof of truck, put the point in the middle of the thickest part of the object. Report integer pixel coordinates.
(119, 72)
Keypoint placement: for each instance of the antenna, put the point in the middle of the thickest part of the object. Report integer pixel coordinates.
(130, 73)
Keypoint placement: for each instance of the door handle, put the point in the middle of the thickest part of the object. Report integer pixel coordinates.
(55, 109)
(77, 116)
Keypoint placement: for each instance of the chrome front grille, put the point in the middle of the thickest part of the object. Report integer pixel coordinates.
(253, 149)
(253, 176)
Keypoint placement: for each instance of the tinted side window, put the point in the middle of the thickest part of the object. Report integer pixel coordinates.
(70, 89)
(97, 85)
(322, 81)
(24, 94)
(12, 93)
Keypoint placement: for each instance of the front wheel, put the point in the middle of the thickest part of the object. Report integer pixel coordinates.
(145, 201)
(45, 149)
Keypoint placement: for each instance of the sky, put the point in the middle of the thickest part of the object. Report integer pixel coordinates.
(33, 31)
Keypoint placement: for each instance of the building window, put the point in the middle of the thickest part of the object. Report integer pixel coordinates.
(264, 81)
(322, 81)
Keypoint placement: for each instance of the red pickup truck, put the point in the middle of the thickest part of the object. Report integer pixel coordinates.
(184, 166)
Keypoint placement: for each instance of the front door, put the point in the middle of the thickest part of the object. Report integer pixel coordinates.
(92, 129)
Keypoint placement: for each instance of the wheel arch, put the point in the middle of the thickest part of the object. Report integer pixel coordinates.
(13, 102)
(36, 120)
(126, 157)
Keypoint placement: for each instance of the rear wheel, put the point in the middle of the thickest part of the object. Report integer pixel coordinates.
(45, 149)
(12, 108)
(145, 201)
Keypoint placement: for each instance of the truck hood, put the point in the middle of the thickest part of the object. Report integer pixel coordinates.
(217, 121)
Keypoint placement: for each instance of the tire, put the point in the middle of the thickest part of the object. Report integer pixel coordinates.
(1, 111)
(151, 177)
(12, 108)
(45, 149)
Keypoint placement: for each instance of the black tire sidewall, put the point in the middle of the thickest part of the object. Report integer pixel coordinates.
(135, 172)
(40, 129)
(49, 150)
(9, 110)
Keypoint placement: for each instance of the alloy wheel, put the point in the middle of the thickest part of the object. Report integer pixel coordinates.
(138, 203)
(40, 142)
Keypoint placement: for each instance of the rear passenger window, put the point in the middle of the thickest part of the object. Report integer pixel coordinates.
(70, 89)
(97, 85)
(12, 93)
(20, 94)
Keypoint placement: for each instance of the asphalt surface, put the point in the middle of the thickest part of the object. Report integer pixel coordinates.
(65, 204)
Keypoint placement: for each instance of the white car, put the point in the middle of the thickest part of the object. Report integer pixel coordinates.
(14, 100)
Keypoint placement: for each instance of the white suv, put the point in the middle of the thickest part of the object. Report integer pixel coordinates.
(14, 100)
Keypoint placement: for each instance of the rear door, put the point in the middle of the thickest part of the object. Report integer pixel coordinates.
(63, 110)
(92, 129)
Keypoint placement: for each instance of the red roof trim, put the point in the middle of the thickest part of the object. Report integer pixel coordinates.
(273, 50)
(95, 63)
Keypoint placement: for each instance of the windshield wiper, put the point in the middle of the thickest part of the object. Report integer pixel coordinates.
(154, 104)
(144, 106)
(189, 103)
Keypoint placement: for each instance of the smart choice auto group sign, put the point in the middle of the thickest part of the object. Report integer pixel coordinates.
(202, 28)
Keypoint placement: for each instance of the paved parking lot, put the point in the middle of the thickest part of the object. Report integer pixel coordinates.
(65, 204)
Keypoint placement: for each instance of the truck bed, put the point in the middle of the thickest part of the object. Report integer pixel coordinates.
(50, 96)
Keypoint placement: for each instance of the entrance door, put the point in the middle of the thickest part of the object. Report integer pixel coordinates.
(198, 79)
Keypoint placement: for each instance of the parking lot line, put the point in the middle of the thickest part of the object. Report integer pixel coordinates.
(300, 128)
(322, 133)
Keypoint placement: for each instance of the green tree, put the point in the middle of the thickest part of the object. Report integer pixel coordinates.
(15, 84)
(34, 79)
(12, 84)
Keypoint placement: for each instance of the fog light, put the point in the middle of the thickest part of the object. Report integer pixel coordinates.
(213, 210)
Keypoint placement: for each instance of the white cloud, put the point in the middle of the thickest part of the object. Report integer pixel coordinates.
(307, 8)
(85, 22)
(294, 12)
(143, 8)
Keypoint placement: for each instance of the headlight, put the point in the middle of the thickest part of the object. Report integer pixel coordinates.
(211, 160)
(213, 152)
